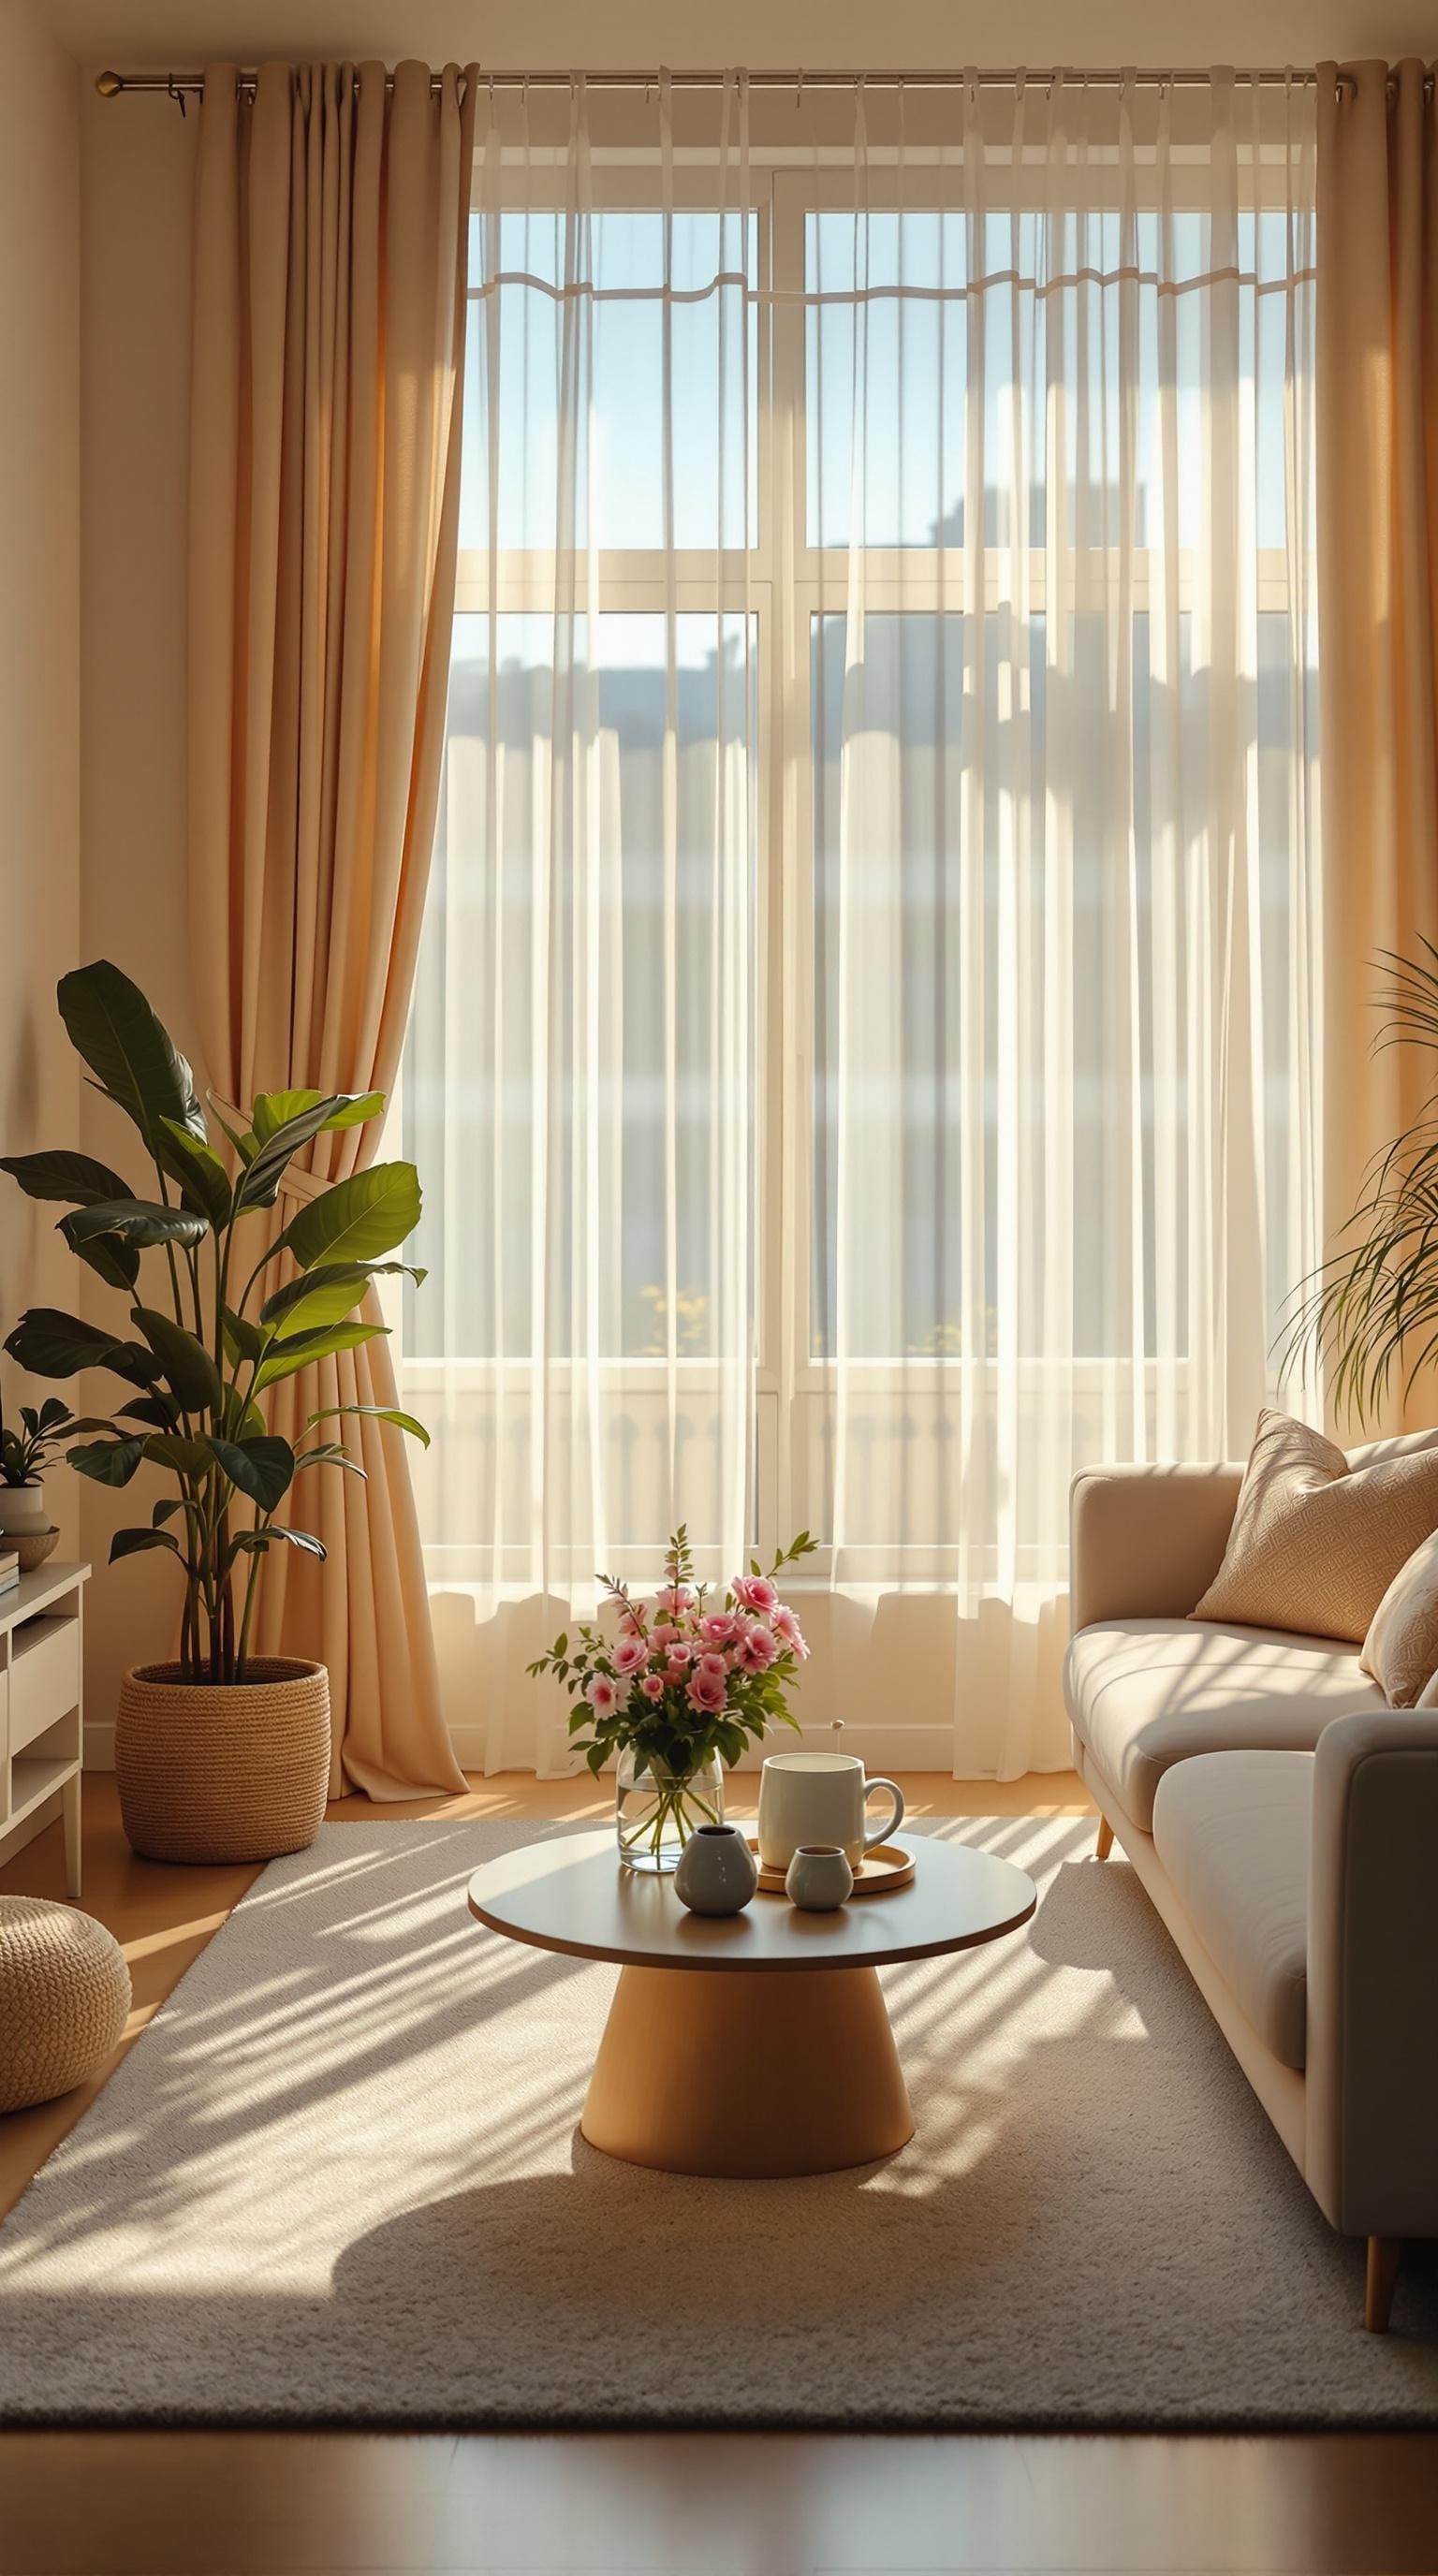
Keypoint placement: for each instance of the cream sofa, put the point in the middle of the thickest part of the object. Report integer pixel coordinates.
(1284, 1821)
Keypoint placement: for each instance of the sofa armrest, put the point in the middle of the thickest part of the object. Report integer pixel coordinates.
(1371, 2123)
(1146, 1542)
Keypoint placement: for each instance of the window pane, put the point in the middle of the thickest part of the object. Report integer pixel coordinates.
(890, 360)
(1057, 970)
(553, 979)
(580, 334)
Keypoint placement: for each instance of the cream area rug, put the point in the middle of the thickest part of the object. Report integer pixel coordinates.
(340, 2181)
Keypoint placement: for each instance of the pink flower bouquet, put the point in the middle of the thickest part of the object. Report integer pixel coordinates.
(681, 1684)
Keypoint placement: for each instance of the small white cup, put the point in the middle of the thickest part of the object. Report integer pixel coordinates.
(819, 1878)
(820, 1798)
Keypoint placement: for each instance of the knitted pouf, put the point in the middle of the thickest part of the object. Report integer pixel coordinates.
(64, 1996)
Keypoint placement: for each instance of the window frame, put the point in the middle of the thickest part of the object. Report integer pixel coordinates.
(786, 583)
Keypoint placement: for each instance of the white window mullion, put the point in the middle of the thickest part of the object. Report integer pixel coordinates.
(787, 1199)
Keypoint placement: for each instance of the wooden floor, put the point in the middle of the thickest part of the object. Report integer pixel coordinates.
(301, 2504)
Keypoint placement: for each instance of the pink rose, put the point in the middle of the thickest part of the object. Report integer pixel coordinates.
(678, 1663)
(786, 1626)
(665, 1633)
(756, 1592)
(706, 1691)
(652, 1686)
(629, 1652)
(675, 1596)
(720, 1628)
(756, 1649)
(711, 1662)
(604, 1696)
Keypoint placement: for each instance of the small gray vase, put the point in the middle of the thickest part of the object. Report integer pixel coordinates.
(717, 1871)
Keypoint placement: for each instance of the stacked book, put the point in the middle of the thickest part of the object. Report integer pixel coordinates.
(9, 1568)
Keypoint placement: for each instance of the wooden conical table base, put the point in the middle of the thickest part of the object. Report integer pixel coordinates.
(748, 2076)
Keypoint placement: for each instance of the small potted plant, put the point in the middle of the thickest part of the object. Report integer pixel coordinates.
(676, 1688)
(24, 1456)
(220, 1753)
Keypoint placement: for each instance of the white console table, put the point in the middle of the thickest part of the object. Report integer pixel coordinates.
(41, 1712)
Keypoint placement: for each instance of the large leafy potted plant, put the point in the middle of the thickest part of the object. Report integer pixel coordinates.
(221, 1754)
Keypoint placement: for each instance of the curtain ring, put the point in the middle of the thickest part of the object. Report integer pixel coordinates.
(177, 95)
(798, 90)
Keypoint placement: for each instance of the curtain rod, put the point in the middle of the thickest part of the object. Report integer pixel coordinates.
(182, 85)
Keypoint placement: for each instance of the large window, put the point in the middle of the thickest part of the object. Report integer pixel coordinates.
(872, 934)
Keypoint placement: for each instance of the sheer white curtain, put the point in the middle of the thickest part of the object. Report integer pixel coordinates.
(581, 1084)
(862, 1054)
(1059, 422)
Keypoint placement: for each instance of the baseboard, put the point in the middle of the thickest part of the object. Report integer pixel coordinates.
(880, 1748)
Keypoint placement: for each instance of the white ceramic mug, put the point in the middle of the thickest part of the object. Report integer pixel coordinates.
(820, 1798)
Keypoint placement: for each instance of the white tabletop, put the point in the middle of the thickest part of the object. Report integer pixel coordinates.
(571, 1894)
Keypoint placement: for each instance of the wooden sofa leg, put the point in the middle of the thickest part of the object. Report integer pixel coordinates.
(1383, 2254)
(1104, 1844)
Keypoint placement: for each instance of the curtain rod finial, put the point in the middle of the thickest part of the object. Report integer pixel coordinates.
(108, 84)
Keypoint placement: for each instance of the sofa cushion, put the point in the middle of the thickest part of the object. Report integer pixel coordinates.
(1233, 1831)
(1316, 1540)
(1146, 1693)
(1400, 1651)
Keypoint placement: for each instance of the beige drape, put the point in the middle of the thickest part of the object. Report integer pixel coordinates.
(331, 232)
(1377, 477)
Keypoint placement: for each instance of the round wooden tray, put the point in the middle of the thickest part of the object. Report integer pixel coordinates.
(887, 1866)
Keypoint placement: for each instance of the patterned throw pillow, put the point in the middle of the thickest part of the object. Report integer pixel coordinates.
(1316, 1540)
(1400, 1651)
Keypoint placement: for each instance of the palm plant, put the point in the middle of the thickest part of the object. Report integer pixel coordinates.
(1370, 1312)
(228, 1325)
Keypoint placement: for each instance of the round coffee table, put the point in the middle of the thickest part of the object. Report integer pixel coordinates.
(757, 2044)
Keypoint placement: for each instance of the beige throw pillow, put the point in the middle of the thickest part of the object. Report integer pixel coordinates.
(1316, 1541)
(1400, 1651)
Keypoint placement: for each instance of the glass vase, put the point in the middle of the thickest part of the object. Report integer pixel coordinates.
(656, 1809)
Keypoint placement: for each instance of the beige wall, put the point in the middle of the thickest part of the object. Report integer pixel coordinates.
(628, 32)
(39, 654)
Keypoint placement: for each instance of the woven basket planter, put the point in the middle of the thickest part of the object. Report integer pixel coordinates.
(216, 1772)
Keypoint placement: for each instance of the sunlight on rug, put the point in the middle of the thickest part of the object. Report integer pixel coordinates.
(340, 2181)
